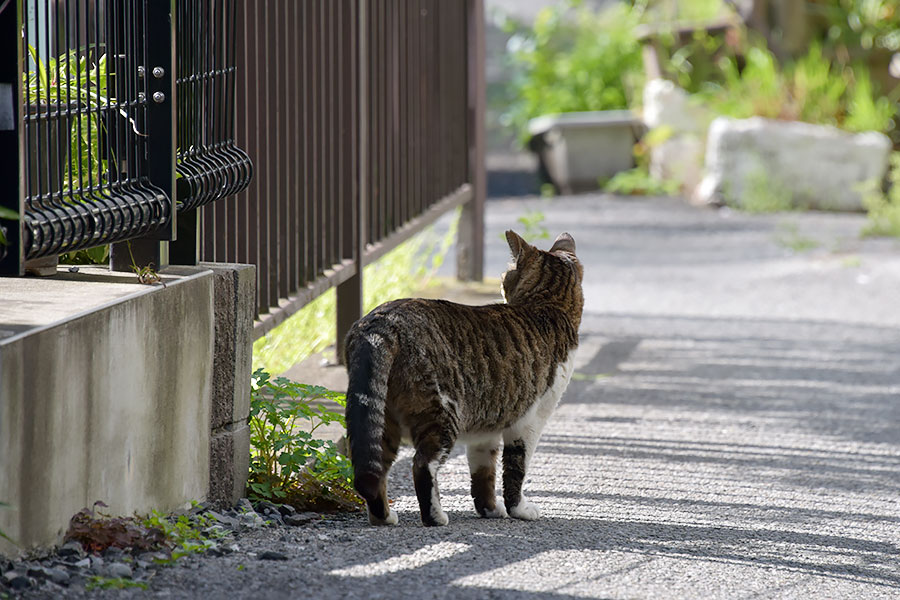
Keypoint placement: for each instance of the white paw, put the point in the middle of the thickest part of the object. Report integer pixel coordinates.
(392, 519)
(440, 517)
(525, 510)
(498, 513)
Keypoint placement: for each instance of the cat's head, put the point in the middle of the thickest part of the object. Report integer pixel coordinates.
(541, 272)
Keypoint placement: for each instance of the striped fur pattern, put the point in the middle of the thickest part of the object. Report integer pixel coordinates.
(433, 372)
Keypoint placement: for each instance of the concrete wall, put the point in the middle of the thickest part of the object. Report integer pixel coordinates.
(106, 393)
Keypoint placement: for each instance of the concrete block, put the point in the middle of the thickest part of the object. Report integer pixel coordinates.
(110, 403)
(818, 166)
(235, 302)
(229, 463)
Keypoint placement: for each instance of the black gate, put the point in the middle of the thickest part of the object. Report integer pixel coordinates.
(118, 116)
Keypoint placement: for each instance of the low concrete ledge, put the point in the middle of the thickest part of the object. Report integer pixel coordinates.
(106, 393)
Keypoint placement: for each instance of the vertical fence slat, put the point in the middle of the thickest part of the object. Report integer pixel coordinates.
(470, 246)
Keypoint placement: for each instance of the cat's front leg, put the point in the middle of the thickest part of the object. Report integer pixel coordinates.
(483, 469)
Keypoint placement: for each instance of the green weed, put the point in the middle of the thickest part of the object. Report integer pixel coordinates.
(762, 194)
(884, 209)
(178, 535)
(789, 237)
(639, 182)
(533, 228)
(288, 463)
(185, 534)
(812, 89)
(70, 81)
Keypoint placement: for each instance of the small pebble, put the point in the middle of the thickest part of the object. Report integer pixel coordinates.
(97, 563)
(119, 570)
(300, 518)
(71, 549)
(272, 555)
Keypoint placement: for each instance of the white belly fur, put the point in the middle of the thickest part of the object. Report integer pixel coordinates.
(533, 421)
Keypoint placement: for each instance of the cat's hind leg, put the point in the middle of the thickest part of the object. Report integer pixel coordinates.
(379, 509)
(433, 444)
(483, 469)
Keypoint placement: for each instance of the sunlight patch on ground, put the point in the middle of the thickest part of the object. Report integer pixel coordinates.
(582, 573)
(404, 562)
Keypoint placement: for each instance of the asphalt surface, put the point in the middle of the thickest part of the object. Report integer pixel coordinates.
(731, 432)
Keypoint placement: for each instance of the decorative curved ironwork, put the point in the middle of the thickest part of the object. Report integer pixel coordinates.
(210, 166)
(85, 127)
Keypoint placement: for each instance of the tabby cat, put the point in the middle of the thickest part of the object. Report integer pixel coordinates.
(434, 372)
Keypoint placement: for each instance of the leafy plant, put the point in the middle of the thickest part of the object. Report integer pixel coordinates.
(639, 182)
(533, 228)
(866, 111)
(184, 534)
(811, 89)
(288, 463)
(98, 255)
(72, 81)
(884, 209)
(573, 59)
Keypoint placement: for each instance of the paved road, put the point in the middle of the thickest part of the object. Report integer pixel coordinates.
(731, 432)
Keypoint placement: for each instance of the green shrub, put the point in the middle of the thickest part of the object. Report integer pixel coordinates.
(288, 463)
(573, 59)
(884, 209)
(639, 182)
(811, 89)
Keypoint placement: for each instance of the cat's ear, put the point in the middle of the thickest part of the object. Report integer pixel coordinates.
(564, 242)
(517, 245)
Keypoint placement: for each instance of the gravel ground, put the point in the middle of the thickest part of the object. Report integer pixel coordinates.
(731, 432)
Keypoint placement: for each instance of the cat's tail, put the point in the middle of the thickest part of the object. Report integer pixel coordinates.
(369, 359)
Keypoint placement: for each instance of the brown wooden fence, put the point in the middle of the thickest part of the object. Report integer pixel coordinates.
(363, 120)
